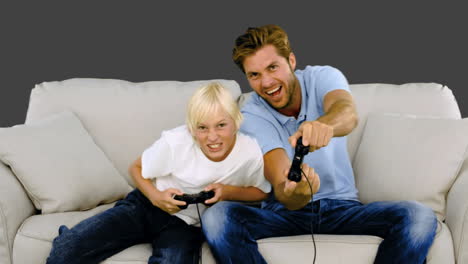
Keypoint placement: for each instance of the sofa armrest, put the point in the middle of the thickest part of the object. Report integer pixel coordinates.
(457, 214)
(15, 207)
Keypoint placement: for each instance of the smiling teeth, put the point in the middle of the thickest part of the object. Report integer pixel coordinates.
(214, 146)
(274, 90)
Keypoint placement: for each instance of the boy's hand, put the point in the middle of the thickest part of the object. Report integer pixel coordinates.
(165, 200)
(220, 192)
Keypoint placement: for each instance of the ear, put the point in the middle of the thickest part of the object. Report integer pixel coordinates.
(292, 61)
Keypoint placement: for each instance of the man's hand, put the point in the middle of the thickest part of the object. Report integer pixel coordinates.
(315, 134)
(302, 188)
(165, 201)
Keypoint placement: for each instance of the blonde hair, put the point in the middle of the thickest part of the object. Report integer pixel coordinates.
(207, 100)
(257, 37)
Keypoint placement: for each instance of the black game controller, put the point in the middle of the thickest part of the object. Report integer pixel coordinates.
(200, 197)
(299, 153)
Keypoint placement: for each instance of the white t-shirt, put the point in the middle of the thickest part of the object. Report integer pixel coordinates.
(177, 161)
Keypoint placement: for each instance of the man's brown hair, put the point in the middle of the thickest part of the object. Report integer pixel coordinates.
(256, 38)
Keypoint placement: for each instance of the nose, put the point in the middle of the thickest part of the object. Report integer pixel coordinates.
(212, 135)
(267, 81)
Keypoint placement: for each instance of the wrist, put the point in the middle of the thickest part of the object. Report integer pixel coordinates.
(228, 193)
(156, 196)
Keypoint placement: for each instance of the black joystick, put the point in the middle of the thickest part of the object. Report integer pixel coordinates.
(200, 197)
(299, 153)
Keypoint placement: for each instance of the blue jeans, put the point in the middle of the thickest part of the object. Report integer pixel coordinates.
(131, 221)
(408, 228)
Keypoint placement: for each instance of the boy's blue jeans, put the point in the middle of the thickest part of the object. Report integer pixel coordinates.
(131, 221)
(408, 228)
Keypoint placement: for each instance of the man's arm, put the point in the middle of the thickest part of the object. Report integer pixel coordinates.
(339, 120)
(340, 112)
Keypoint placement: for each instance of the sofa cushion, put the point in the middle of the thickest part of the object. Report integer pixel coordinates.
(432, 100)
(59, 165)
(37, 232)
(426, 99)
(409, 158)
(124, 118)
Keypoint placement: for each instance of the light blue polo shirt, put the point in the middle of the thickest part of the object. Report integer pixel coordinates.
(272, 130)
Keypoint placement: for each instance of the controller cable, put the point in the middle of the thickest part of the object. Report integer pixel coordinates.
(312, 211)
(201, 226)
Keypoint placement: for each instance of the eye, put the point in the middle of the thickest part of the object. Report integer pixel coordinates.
(273, 67)
(252, 75)
(222, 125)
(201, 127)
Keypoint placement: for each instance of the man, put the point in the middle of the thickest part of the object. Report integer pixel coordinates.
(315, 104)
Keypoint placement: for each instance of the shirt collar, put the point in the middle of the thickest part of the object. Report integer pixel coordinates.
(283, 119)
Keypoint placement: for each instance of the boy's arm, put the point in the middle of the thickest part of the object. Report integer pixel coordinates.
(161, 199)
(235, 193)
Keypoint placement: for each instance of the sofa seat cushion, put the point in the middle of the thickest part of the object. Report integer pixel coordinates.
(36, 234)
(351, 248)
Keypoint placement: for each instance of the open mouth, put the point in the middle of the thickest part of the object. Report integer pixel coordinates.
(214, 147)
(275, 92)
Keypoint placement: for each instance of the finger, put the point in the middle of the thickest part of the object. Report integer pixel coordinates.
(306, 170)
(212, 200)
(322, 138)
(174, 191)
(175, 202)
(286, 171)
(314, 136)
(316, 185)
(209, 188)
(329, 136)
(309, 172)
(306, 135)
(289, 187)
(215, 198)
(314, 180)
(294, 137)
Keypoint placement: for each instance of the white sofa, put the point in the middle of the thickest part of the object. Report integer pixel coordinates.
(123, 118)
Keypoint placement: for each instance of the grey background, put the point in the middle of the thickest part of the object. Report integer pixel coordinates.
(369, 41)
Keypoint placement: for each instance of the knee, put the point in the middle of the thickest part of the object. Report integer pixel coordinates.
(217, 219)
(419, 219)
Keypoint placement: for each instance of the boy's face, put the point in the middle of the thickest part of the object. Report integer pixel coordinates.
(271, 76)
(216, 136)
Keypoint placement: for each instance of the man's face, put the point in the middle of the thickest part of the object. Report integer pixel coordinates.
(271, 76)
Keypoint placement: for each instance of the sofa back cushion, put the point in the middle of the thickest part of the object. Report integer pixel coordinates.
(403, 157)
(59, 164)
(123, 118)
(419, 99)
